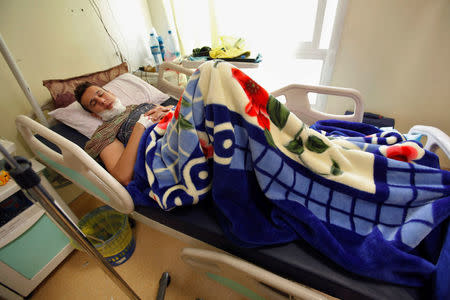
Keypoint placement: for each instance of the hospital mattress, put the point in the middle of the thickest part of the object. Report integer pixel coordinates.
(296, 261)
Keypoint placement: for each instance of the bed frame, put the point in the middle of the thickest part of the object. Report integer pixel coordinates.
(276, 272)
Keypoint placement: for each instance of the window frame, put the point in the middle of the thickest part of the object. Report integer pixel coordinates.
(311, 50)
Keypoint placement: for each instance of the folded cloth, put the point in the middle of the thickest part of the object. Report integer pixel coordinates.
(363, 197)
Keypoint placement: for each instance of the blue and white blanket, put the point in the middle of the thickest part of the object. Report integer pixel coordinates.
(363, 197)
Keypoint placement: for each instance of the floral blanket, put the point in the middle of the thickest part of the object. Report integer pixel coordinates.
(363, 197)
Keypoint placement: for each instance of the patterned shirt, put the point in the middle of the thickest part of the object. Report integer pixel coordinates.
(119, 127)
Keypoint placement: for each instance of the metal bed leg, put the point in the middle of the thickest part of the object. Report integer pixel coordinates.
(163, 284)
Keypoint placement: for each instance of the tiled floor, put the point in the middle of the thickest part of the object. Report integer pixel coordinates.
(78, 277)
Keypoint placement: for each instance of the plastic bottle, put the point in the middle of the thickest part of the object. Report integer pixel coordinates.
(172, 50)
(156, 51)
(161, 46)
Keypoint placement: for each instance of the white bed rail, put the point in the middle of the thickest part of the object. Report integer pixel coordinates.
(164, 85)
(298, 103)
(253, 281)
(75, 164)
(436, 138)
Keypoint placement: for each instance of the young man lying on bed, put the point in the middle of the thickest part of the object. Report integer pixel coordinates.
(117, 139)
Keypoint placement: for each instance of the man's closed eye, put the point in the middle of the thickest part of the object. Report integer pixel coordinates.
(92, 103)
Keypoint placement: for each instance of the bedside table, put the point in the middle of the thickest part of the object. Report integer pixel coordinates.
(31, 245)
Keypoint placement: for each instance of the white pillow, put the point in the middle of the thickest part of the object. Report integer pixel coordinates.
(128, 88)
(76, 117)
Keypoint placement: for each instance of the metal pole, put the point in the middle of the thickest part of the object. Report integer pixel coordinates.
(38, 193)
(23, 84)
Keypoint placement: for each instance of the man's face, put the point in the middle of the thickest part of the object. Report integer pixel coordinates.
(97, 99)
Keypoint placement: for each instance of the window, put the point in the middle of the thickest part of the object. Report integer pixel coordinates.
(297, 39)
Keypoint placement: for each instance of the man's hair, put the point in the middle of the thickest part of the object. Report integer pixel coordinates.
(79, 91)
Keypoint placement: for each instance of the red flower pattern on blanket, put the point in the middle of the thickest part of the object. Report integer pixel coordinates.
(208, 149)
(177, 109)
(406, 153)
(258, 98)
(165, 121)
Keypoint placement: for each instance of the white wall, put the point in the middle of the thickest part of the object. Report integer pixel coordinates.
(396, 53)
(159, 16)
(129, 22)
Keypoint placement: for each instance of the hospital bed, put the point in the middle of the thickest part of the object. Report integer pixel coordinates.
(271, 272)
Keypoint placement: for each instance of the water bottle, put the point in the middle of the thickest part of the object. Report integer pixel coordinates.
(161, 47)
(172, 50)
(156, 51)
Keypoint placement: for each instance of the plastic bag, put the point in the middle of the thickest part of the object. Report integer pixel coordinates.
(230, 47)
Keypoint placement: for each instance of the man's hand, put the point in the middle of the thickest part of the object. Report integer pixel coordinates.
(157, 113)
(145, 121)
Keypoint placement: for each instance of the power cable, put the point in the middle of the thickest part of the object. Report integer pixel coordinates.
(99, 15)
